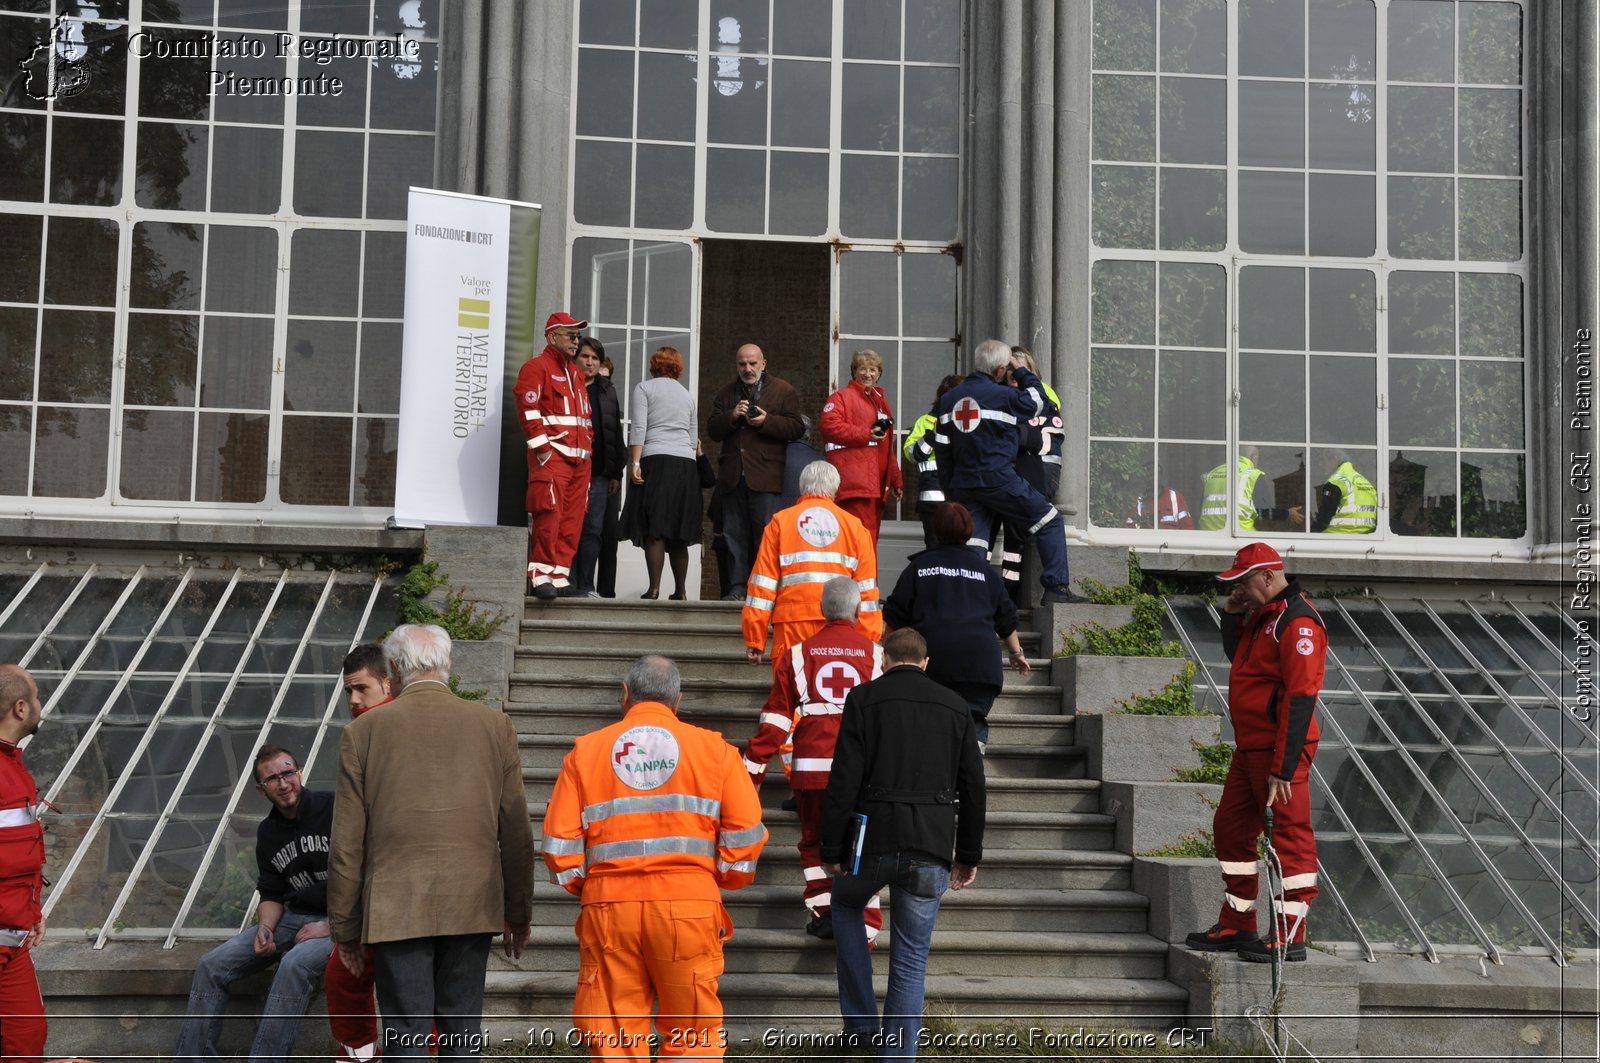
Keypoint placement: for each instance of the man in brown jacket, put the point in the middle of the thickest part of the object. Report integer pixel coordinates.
(754, 418)
(432, 850)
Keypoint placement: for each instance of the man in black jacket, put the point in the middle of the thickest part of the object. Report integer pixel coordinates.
(907, 761)
(598, 542)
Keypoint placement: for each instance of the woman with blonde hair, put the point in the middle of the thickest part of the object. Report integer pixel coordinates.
(662, 514)
(858, 429)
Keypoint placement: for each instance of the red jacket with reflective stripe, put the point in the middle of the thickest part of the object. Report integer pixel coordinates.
(1278, 654)
(868, 468)
(21, 843)
(811, 680)
(804, 547)
(553, 407)
(652, 809)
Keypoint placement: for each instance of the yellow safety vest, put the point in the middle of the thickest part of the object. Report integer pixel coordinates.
(1358, 503)
(1214, 507)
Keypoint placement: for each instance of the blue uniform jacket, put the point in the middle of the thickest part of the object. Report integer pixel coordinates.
(976, 442)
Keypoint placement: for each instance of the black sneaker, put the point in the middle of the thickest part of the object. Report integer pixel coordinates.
(571, 592)
(1259, 951)
(1062, 596)
(545, 592)
(821, 927)
(789, 804)
(1219, 939)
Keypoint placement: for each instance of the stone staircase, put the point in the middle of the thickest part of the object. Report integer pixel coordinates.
(1052, 930)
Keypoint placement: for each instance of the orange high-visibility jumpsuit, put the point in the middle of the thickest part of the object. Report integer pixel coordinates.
(805, 546)
(649, 818)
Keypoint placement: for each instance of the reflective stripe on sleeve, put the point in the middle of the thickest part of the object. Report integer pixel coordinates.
(747, 867)
(821, 710)
(766, 583)
(752, 767)
(871, 607)
(813, 874)
(778, 720)
(764, 604)
(651, 803)
(813, 763)
(562, 846)
(538, 441)
(561, 878)
(732, 839)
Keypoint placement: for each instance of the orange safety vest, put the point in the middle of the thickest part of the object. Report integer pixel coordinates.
(652, 809)
(805, 546)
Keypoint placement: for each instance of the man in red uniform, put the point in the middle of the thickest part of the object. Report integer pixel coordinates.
(22, 1022)
(650, 819)
(553, 399)
(1278, 643)
(809, 684)
(352, 1010)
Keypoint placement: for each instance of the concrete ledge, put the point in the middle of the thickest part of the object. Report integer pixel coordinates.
(52, 534)
(1097, 684)
(1320, 1002)
(484, 666)
(1103, 564)
(490, 566)
(1184, 892)
(1156, 815)
(1131, 747)
(1056, 622)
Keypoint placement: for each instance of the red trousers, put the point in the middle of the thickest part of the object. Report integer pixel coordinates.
(1237, 824)
(818, 894)
(352, 1010)
(635, 955)
(869, 511)
(22, 1023)
(558, 496)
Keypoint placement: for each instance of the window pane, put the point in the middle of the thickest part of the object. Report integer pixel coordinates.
(75, 353)
(349, 107)
(1422, 217)
(23, 137)
(1355, 418)
(871, 113)
(379, 388)
(1124, 118)
(163, 350)
(1421, 40)
(933, 31)
(606, 21)
(377, 444)
(320, 366)
(1422, 401)
(661, 279)
(231, 458)
(1272, 387)
(236, 362)
(247, 170)
(80, 264)
(801, 93)
(242, 269)
(933, 108)
(604, 182)
(16, 431)
(928, 296)
(81, 169)
(1194, 121)
(1491, 131)
(1194, 36)
(1422, 313)
(1422, 485)
(670, 24)
(1422, 129)
(1491, 405)
(1182, 467)
(1125, 34)
(600, 280)
(1491, 43)
(868, 294)
(799, 197)
(18, 332)
(238, 106)
(404, 91)
(1272, 36)
(1194, 209)
(383, 287)
(665, 194)
(316, 461)
(1121, 473)
(1491, 315)
(867, 196)
(666, 92)
(1122, 393)
(171, 163)
(1272, 311)
(1272, 124)
(1344, 308)
(1344, 210)
(1125, 206)
(334, 16)
(1342, 39)
(166, 266)
(1123, 302)
(1194, 304)
(327, 174)
(21, 251)
(1494, 496)
(736, 107)
(156, 451)
(69, 459)
(1272, 212)
(1491, 220)
(169, 89)
(1343, 133)
(871, 29)
(930, 199)
(1193, 398)
(605, 93)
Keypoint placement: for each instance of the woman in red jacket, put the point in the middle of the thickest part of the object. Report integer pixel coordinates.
(858, 428)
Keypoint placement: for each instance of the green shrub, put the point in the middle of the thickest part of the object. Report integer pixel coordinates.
(1200, 844)
(1214, 761)
(460, 619)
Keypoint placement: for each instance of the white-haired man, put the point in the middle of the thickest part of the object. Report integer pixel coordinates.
(804, 547)
(432, 850)
(976, 449)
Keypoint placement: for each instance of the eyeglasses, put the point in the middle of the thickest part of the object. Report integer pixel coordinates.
(273, 780)
(568, 335)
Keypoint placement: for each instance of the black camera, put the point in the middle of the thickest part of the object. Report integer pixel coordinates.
(884, 424)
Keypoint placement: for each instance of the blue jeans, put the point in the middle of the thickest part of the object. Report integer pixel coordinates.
(432, 983)
(598, 543)
(745, 516)
(916, 883)
(1032, 512)
(298, 968)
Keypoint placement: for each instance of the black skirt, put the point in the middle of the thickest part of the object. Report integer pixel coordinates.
(668, 504)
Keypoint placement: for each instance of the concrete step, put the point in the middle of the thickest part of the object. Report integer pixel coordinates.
(1037, 911)
(551, 664)
(558, 635)
(753, 950)
(1002, 868)
(699, 695)
(617, 614)
(738, 723)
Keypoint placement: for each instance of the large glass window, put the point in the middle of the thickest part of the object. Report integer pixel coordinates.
(172, 330)
(1309, 269)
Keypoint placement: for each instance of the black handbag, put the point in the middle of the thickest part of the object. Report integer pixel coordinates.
(708, 475)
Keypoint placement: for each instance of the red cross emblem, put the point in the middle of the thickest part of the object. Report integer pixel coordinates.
(966, 414)
(835, 680)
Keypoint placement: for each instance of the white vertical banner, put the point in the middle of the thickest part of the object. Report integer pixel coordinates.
(457, 250)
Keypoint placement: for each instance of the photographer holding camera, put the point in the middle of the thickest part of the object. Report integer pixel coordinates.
(754, 417)
(858, 428)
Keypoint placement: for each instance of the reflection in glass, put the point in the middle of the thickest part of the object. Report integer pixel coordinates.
(1422, 489)
(929, 203)
(18, 331)
(1491, 43)
(319, 366)
(1124, 118)
(1422, 129)
(928, 295)
(156, 453)
(1491, 220)
(162, 352)
(236, 362)
(736, 107)
(1272, 312)
(1272, 212)
(799, 196)
(1272, 122)
(871, 29)
(803, 27)
(231, 457)
(933, 31)
(383, 287)
(661, 277)
(1355, 418)
(1343, 310)
(800, 104)
(1194, 36)
(870, 119)
(606, 21)
(736, 186)
(166, 266)
(666, 92)
(1342, 40)
(664, 198)
(324, 272)
(671, 24)
(1123, 473)
(75, 350)
(1490, 137)
(1123, 302)
(1422, 313)
(1422, 217)
(1344, 210)
(933, 108)
(1194, 299)
(242, 269)
(395, 162)
(1271, 39)
(1273, 388)
(81, 171)
(80, 264)
(316, 461)
(1194, 121)
(1421, 39)
(1182, 467)
(600, 279)
(171, 166)
(377, 449)
(327, 174)
(1124, 203)
(1494, 496)
(1122, 393)
(1491, 315)
(1194, 209)
(379, 386)
(21, 245)
(1193, 395)
(1342, 130)
(1125, 34)
(1491, 405)
(236, 106)
(1422, 398)
(70, 454)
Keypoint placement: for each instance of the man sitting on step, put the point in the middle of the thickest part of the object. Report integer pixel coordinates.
(809, 684)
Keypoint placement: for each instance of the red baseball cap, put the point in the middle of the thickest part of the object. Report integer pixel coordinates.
(1250, 559)
(561, 319)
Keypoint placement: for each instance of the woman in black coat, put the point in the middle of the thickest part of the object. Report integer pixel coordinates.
(956, 601)
(599, 541)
